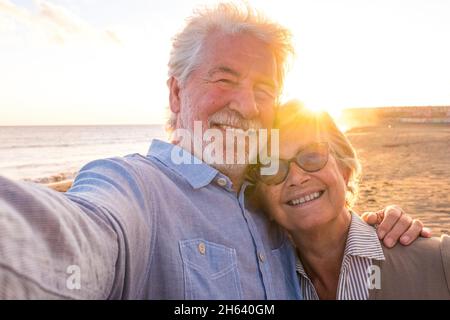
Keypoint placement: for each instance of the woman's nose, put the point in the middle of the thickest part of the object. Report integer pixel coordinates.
(296, 176)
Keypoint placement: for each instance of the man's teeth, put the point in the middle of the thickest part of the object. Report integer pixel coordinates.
(307, 198)
(236, 129)
(226, 127)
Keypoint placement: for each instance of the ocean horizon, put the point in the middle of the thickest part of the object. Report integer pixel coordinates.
(52, 153)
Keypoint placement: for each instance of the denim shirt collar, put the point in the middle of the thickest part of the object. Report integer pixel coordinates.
(196, 172)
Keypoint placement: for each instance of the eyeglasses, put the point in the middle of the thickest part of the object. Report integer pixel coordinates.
(312, 158)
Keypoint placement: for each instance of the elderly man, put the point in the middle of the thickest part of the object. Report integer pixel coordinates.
(149, 228)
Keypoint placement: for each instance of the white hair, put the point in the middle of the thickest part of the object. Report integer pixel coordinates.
(227, 18)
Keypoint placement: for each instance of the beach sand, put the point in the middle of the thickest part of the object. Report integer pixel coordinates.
(407, 165)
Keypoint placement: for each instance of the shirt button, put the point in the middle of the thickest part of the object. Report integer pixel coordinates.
(222, 182)
(201, 248)
(261, 257)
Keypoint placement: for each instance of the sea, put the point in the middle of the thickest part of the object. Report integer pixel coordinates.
(47, 154)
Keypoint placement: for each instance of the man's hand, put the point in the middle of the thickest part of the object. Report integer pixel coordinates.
(394, 224)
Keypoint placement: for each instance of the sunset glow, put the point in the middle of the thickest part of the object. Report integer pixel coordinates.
(104, 62)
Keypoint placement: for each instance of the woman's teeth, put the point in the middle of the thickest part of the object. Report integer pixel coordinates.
(305, 199)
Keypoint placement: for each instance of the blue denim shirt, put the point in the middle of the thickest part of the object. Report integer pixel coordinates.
(141, 228)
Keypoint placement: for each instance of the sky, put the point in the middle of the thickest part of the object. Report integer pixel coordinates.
(66, 62)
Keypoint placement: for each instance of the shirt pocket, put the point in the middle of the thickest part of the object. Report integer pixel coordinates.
(210, 270)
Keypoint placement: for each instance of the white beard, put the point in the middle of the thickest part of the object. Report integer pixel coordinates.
(235, 168)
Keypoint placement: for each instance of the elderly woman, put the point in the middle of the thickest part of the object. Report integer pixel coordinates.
(339, 256)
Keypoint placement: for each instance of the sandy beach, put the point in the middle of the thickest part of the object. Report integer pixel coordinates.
(407, 165)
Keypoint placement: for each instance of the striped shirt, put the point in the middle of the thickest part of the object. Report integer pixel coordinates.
(362, 246)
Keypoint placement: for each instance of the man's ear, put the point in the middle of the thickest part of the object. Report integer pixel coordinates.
(174, 95)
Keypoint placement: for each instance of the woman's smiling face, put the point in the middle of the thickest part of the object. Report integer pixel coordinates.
(305, 200)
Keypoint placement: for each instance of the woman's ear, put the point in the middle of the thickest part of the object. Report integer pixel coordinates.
(174, 95)
(346, 172)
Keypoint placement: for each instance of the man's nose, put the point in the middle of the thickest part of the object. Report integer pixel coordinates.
(296, 176)
(244, 102)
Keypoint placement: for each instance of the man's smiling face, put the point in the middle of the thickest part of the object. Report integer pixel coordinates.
(234, 86)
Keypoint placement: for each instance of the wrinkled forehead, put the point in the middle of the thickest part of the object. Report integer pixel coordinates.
(241, 52)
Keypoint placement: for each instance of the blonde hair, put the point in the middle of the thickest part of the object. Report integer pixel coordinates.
(227, 18)
(294, 116)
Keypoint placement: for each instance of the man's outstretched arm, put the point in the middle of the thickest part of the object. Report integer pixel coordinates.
(79, 245)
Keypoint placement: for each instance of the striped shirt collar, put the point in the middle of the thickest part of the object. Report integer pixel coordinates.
(361, 248)
(363, 240)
